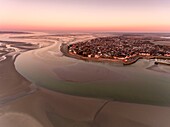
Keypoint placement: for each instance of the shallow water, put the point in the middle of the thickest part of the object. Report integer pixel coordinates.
(135, 83)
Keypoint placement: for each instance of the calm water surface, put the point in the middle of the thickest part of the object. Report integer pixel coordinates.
(142, 82)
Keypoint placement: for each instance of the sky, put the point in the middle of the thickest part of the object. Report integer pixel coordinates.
(86, 15)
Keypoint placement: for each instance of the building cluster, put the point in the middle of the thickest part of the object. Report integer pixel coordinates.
(118, 47)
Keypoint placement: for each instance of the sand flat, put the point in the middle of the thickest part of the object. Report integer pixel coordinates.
(117, 114)
(46, 108)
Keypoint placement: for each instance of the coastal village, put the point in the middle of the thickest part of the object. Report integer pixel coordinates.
(122, 48)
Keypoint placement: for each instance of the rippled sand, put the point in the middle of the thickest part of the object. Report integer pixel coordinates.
(44, 108)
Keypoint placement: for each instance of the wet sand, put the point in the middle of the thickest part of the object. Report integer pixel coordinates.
(40, 108)
(11, 81)
(45, 108)
(157, 69)
(117, 114)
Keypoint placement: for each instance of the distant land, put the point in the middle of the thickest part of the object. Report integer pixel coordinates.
(14, 32)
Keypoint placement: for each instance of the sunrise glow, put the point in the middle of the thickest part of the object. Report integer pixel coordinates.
(92, 15)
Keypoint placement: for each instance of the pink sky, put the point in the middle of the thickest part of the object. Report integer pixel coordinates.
(86, 15)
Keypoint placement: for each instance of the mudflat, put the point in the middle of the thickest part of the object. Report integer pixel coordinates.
(23, 103)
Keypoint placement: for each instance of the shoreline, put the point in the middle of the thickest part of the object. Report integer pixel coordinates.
(19, 86)
(65, 51)
(54, 108)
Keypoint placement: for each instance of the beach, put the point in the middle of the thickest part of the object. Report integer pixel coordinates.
(51, 90)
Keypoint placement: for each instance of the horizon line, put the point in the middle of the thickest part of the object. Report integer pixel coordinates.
(84, 31)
